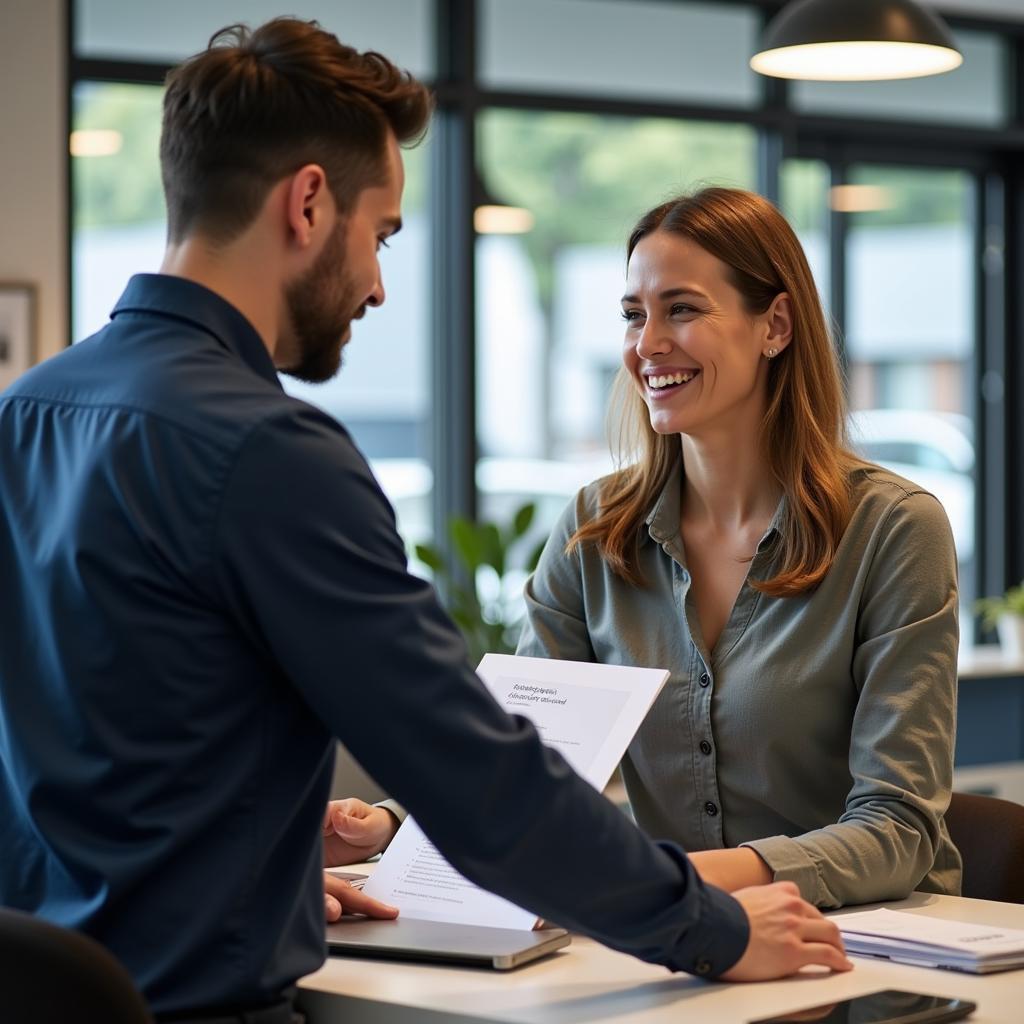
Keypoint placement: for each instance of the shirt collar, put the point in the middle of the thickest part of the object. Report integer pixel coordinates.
(192, 303)
(663, 519)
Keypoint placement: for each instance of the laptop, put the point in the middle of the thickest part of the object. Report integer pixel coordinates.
(435, 941)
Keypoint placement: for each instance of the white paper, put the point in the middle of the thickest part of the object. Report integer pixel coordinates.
(894, 930)
(588, 712)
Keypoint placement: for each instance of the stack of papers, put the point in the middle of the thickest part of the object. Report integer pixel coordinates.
(932, 942)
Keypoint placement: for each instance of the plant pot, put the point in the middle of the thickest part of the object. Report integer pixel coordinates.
(1011, 635)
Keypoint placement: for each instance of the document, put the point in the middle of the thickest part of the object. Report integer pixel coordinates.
(589, 713)
(932, 942)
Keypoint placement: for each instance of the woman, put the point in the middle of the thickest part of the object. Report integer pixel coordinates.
(804, 601)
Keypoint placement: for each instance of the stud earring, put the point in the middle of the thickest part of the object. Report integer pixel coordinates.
(772, 353)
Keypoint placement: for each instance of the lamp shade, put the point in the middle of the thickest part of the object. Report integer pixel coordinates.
(855, 40)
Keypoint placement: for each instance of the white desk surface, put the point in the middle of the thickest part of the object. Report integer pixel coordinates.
(588, 983)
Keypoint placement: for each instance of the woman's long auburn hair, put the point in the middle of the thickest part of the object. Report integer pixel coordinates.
(804, 427)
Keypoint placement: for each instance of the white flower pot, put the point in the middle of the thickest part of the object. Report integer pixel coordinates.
(1011, 635)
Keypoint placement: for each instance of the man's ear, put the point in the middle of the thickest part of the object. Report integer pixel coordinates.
(308, 204)
(779, 319)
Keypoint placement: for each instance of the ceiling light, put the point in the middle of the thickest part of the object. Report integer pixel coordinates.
(491, 216)
(855, 40)
(860, 198)
(95, 142)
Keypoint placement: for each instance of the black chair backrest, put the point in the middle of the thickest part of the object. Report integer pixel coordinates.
(49, 974)
(989, 833)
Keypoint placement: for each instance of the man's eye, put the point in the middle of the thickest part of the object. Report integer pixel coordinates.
(382, 242)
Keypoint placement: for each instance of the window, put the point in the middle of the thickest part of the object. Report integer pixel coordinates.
(118, 228)
(693, 52)
(549, 333)
(910, 335)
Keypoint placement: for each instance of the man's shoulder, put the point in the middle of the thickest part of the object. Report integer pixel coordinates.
(179, 381)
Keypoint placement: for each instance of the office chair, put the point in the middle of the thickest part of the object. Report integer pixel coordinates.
(49, 973)
(989, 833)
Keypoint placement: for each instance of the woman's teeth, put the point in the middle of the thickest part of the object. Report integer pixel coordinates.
(664, 380)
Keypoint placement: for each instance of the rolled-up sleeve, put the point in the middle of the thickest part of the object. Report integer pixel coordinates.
(901, 747)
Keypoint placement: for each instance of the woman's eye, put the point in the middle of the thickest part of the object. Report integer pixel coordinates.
(630, 315)
(681, 307)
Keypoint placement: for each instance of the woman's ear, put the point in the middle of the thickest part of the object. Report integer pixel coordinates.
(779, 320)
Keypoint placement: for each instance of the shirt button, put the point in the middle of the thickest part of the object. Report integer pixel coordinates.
(705, 747)
(702, 966)
(704, 679)
(711, 808)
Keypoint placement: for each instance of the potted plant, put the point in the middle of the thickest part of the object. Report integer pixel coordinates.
(1006, 615)
(484, 589)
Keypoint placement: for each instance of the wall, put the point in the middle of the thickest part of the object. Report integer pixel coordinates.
(33, 164)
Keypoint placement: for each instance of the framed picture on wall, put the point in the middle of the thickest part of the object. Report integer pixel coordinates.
(17, 330)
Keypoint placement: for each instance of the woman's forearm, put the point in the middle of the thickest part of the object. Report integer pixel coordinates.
(731, 869)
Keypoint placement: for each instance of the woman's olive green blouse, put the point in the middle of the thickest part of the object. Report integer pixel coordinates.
(820, 730)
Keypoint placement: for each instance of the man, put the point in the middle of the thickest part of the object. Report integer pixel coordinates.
(202, 586)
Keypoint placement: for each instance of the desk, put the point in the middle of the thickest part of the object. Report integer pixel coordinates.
(589, 983)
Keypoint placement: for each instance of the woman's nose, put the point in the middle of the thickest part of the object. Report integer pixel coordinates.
(652, 341)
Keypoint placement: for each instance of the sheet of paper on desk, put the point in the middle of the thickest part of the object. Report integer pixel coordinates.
(932, 942)
(589, 713)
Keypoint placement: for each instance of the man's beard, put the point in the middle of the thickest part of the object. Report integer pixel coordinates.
(321, 307)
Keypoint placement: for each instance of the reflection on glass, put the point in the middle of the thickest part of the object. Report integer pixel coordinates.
(549, 331)
(910, 336)
(381, 394)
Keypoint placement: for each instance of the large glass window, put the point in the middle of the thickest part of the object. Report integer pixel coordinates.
(118, 228)
(691, 52)
(549, 331)
(910, 334)
(166, 33)
(804, 200)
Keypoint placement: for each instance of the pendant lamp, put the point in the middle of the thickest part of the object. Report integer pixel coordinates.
(855, 41)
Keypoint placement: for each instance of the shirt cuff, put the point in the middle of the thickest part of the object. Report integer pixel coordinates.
(719, 932)
(790, 862)
(395, 808)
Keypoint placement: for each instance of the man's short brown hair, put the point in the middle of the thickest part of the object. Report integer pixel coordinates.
(257, 105)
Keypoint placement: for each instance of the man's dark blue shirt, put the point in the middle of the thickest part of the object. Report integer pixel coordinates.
(201, 585)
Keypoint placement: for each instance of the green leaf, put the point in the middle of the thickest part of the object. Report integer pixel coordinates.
(467, 543)
(430, 557)
(523, 518)
(491, 546)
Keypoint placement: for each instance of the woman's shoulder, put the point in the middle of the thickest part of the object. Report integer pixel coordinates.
(879, 495)
(588, 499)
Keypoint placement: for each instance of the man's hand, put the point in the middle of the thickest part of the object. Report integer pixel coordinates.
(786, 934)
(340, 898)
(354, 831)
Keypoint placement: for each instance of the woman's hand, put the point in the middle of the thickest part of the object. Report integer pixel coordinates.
(354, 831)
